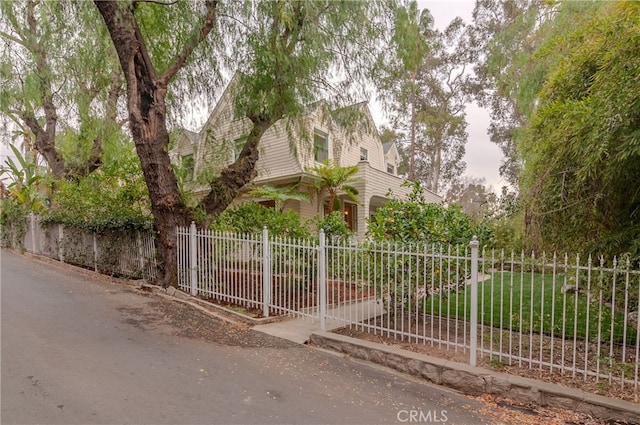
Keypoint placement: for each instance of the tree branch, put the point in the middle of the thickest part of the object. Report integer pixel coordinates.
(194, 41)
(12, 38)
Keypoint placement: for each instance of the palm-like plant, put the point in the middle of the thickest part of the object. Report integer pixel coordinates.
(337, 179)
(279, 194)
(24, 180)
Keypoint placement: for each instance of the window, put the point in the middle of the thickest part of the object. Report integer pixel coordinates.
(270, 203)
(364, 154)
(238, 144)
(188, 165)
(320, 146)
(391, 169)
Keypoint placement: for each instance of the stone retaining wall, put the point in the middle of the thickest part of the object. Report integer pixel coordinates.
(475, 381)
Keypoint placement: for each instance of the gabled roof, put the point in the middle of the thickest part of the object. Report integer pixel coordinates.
(192, 136)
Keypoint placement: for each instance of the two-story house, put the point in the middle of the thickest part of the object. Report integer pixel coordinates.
(288, 153)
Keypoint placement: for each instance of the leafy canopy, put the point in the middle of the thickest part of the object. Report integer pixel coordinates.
(417, 221)
(582, 145)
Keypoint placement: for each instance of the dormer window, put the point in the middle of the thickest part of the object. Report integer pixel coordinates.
(320, 146)
(391, 169)
(364, 154)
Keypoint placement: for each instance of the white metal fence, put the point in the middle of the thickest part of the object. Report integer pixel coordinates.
(563, 315)
(130, 254)
(276, 276)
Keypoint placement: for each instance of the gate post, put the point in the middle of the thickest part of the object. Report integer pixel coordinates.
(193, 259)
(473, 339)
(322, 281)
(266, 272)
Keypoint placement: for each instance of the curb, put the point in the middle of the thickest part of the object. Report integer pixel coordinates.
(207, 307)
(475, 381)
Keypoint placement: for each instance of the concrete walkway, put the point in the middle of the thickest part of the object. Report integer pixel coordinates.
(300, 329)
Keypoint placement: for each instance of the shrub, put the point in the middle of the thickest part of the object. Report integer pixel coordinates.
(425, 230)
(13, 222)
(113, 197)
(334, 226)
(251, 217)
(416, 221)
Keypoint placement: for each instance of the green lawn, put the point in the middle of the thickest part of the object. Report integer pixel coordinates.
(522, 302)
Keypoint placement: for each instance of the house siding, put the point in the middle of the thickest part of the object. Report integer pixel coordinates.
(304, 142)
(393, 158)
(364, 136)
(277, 158)
(287, 156)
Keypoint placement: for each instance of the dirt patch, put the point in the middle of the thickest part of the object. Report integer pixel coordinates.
(287, 292)
(179, 319)
(249, 311)
(507, 411)
(190, 323)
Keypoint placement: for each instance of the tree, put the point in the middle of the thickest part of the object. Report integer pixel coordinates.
(412, 32)
(426, 88)
(445, 93)
(510, 72)
(288, 54)
(581, 146)
(473, 196)
(505, 31)
(58, 84)
(335, 179)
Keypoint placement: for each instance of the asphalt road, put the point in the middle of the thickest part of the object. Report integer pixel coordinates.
(79, 350)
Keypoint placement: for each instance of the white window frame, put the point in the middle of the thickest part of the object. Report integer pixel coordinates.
(364, 154)
(317, 134)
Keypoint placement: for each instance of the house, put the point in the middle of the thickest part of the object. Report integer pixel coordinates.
(289, 151)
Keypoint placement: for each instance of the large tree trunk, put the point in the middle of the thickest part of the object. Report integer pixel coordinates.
(412, 145)
(225, 187)
(146, 94)
(45, 141)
